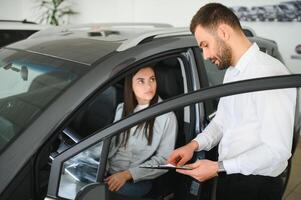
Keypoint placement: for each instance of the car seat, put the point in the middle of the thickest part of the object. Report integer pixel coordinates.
(169, 84)
(97, 114)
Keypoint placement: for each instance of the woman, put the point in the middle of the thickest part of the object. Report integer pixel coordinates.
(147, 143)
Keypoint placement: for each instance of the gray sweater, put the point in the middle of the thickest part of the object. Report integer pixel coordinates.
(138, 152)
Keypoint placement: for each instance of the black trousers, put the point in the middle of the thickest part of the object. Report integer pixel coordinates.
(252, 187)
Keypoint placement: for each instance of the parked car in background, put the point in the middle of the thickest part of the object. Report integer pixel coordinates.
(243, 13)
(13, 31)
(258, 13)
(59, 90)
(298, 49)
(297, 7)
(270, 13)
(289, 12)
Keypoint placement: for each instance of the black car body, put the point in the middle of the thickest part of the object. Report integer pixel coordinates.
(61, 90)
(12, 30)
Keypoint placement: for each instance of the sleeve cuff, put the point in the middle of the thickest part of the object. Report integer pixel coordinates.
(202, 142)
(231, 166)
(134, 174)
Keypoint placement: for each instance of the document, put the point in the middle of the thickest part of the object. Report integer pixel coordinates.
(167, 167)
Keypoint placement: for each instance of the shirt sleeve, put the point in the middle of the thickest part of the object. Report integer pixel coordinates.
(113, 146)
(165, 147)
(275, 111)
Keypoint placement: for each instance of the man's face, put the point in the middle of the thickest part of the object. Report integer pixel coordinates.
(214, 48)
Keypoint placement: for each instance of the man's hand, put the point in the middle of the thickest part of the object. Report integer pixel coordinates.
(183, 154)
(202, 170)
(116, 181)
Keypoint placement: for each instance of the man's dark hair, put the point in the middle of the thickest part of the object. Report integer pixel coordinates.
(213, 14)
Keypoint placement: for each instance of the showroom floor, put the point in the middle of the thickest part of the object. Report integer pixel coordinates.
(293, 191)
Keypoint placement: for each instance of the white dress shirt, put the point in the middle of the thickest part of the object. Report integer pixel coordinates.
(254, 130)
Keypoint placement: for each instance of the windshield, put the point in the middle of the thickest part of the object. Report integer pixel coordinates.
(28, 83)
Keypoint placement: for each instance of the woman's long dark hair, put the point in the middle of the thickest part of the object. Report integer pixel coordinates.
(130, 103)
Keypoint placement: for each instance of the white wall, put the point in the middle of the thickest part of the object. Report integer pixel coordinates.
(287, 36)
(175, 12)
(11, 9)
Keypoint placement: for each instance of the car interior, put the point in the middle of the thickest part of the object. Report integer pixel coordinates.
(30, 101)
(40, 92)
(99, 112)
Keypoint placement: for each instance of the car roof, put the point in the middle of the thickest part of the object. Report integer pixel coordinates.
(21, 25)
(129, 34)
(102, 31)
(88, 43)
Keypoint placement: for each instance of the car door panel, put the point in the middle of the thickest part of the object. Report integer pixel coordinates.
(160, 108)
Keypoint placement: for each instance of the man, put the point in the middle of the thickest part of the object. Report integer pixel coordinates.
(254, 130)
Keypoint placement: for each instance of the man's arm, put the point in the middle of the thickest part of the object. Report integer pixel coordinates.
(204, 141)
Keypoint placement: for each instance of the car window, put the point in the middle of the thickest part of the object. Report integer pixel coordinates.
(28, 83)
(85, 167)
(215, 76)
(10, 36)
(79, 171)
(100, 111)
(193, 97)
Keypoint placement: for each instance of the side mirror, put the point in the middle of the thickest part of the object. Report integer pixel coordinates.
(93, 191)
(24, 73)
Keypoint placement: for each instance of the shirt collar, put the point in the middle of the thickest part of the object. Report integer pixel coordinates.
(245, 59)
(141, 107)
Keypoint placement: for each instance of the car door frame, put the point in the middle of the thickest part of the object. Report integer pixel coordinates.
(251, 85)
(19, 153)
(192, 81)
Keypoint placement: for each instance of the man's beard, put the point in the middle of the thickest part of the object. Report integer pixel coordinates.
(224, 54)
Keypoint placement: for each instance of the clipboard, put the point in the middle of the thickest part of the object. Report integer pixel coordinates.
(167, 167)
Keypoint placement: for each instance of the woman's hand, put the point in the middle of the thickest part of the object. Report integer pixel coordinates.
(116, 181)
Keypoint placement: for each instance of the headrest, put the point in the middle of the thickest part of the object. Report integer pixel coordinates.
(169, 78)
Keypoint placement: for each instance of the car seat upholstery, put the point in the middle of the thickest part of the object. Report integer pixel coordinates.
(169, 84)
(99, 113)
(41, 91)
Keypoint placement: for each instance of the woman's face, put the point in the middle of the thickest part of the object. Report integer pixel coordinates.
(144, 85)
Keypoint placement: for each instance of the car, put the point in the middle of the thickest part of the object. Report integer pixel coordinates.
(297, 8)
(59, 91)
(298, 49)
(271, 13)
(13, 30)
(287, 12)
(258, 13)
(243, 13)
